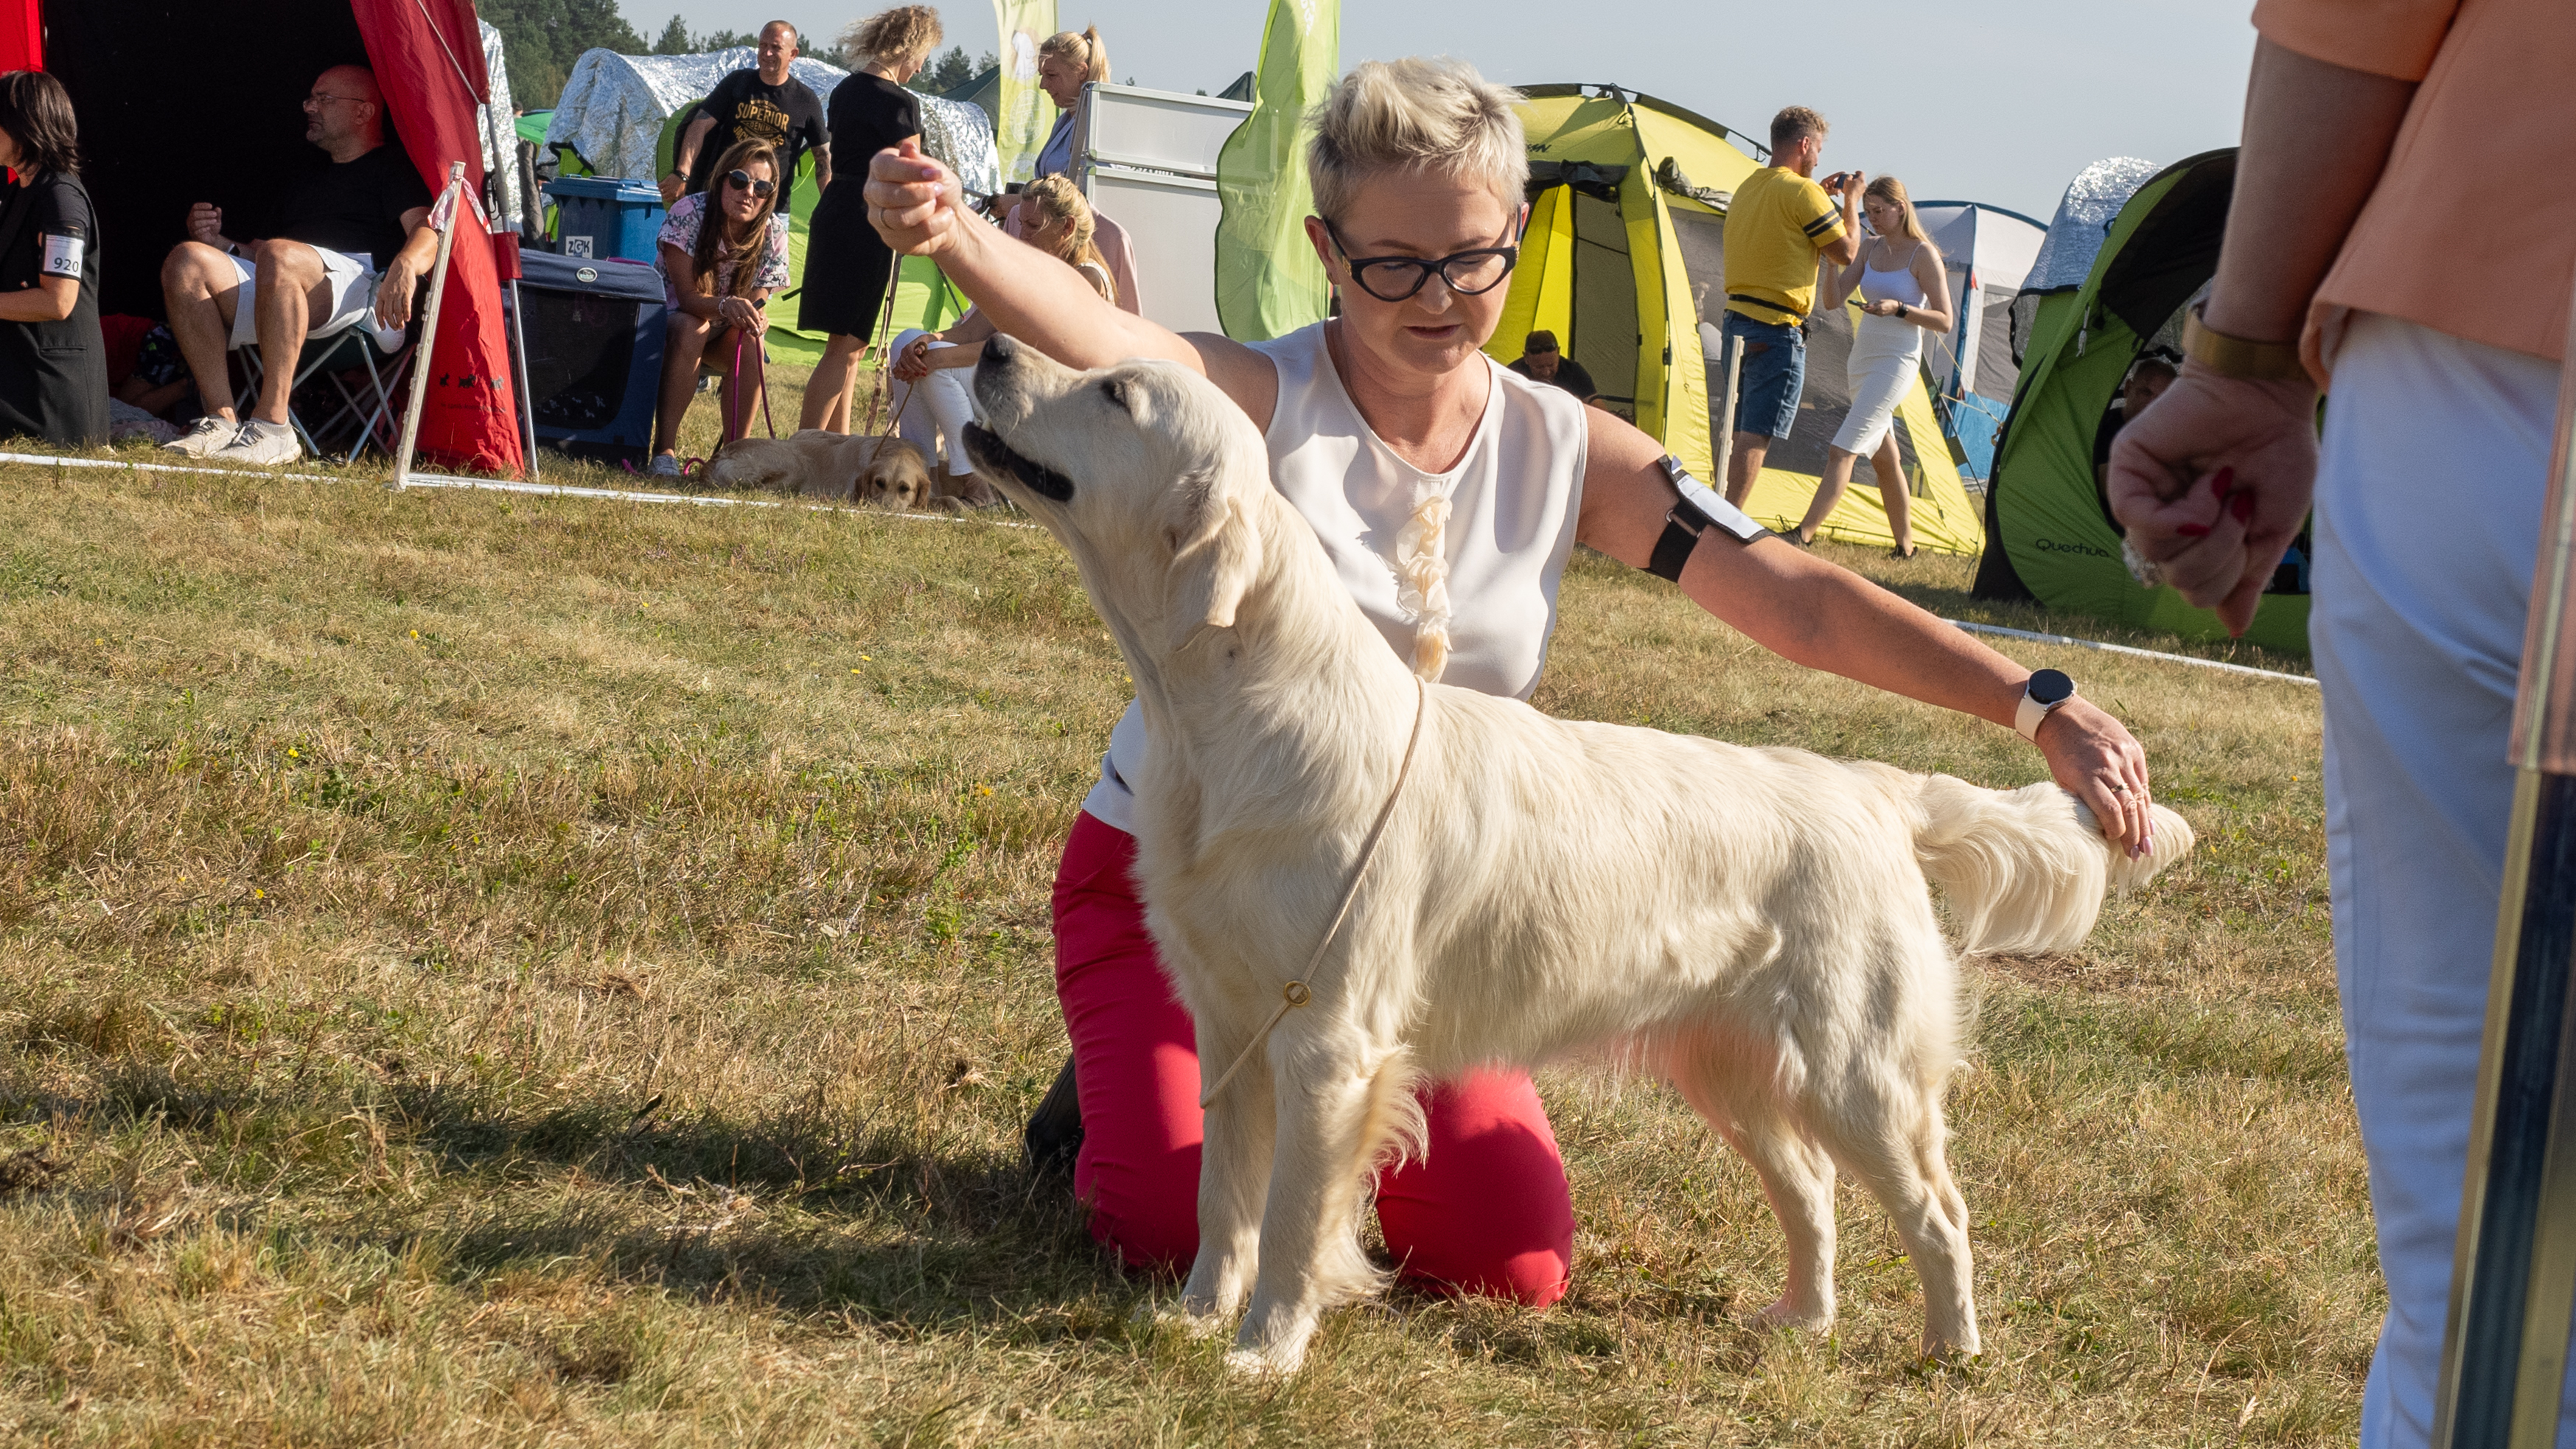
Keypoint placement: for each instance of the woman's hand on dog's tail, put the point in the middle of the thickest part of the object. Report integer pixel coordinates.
(914, 202)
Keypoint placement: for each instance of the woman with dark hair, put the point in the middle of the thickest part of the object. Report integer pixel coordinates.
(723, 251)
(53, 359)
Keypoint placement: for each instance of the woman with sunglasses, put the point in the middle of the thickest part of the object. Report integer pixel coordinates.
(1372, 417)
(723, 251)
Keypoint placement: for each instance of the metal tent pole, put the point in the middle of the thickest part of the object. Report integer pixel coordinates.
(2513, 1274)
(452, 201)
(1734, 349)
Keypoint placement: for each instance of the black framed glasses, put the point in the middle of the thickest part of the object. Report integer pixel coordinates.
(1392, 279)
(756, 188)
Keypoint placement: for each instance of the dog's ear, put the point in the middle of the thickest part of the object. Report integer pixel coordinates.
(1215, 555)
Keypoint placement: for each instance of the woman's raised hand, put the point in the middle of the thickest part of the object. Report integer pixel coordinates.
(914, 202)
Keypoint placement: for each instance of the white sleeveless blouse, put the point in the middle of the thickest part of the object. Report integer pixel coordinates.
(1515, 497)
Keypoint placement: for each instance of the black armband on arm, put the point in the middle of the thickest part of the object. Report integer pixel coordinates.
(1699, 510)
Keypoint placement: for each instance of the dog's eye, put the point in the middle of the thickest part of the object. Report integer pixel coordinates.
(1115, 390)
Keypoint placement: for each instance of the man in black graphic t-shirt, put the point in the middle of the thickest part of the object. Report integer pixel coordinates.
(353, 239)
(765, 103)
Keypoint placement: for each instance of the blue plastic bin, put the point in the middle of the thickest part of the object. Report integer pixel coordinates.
(598, 217)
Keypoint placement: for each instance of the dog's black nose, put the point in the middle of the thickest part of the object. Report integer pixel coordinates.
(1002, 349)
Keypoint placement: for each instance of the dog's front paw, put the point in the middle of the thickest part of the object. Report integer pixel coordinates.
(1180, 1316)
(1264, 1363)
(1788, 1313)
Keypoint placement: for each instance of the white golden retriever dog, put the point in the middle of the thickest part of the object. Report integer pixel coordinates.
(1752, 923)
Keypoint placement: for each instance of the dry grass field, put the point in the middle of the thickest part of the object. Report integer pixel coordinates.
(486, 970)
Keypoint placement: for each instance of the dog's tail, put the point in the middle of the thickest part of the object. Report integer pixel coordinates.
(2024, 870)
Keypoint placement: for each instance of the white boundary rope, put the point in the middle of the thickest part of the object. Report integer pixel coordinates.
(628, 495)
(2126, 649)
(496, 485)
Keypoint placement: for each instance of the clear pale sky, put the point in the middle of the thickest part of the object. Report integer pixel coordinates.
(1984, 100)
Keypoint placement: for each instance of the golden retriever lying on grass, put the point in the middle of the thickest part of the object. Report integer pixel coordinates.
(838, 467)
(1752, 923)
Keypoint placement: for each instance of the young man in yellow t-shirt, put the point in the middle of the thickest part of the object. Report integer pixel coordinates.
(1779, 223)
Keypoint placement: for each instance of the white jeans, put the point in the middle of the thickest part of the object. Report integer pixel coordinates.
(935, 409)
(2436, 455)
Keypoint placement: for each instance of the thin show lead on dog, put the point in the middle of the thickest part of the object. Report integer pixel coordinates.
(1461, 886)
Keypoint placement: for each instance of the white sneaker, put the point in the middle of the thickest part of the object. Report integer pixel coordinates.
(263, 444)
(204, 436)
(665, 465)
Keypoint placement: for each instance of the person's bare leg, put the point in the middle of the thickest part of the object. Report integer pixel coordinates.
(827, 392)
(683, 343)
(200, 287)
(1745, 465)
(1890, 467)
(1829, 491)
(843, 420)
(292, 287)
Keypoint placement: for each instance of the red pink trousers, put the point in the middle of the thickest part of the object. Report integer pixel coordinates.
(1485, 1211)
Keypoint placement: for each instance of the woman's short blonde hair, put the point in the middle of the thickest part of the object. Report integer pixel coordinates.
(1084, 50)
(905, 33)
(1418, 113)
(1892, 191)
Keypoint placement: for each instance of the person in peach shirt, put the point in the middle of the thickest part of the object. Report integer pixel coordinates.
(2402, 231)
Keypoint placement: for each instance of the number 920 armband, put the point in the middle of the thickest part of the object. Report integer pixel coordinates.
(1699, 510)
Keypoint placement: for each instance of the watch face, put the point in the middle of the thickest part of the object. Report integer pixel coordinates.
(2050, 686)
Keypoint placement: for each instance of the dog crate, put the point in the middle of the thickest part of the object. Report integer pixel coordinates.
(594, 336)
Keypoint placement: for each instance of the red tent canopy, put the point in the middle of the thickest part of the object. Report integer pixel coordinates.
(180, 102)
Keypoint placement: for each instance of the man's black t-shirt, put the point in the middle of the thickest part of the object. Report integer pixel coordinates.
(1569, 375)
(356, 207)
(786, 115)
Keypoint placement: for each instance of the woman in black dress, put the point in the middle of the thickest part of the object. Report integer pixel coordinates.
(847, 265)
(53, 360)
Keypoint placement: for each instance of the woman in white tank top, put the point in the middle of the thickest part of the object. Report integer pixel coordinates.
(1905, 293)
(1449, 494)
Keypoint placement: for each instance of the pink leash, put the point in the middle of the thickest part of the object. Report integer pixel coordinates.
(733, 423)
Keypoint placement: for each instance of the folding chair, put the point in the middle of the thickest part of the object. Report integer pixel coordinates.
(351, 346)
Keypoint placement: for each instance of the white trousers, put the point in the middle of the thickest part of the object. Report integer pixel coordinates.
(2436, 455)
(935, 409)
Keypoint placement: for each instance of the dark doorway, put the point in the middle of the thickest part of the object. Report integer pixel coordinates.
(180, 103)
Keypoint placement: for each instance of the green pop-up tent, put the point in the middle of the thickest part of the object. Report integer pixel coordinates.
(2052, 535)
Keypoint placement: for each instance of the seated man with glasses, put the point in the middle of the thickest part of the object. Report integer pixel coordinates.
(1542, 362)
(353, 237)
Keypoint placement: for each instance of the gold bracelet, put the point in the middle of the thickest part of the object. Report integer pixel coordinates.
(2237, 357)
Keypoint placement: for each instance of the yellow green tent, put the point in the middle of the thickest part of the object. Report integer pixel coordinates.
(1626, 244)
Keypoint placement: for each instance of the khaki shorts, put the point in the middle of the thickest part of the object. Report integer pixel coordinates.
(352, 283)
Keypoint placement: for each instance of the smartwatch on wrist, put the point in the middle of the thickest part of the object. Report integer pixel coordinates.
(2047, 690)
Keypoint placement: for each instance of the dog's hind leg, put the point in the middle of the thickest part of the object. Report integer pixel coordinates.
(1234, 1178)
(1797, 1175)
(1887, 1132)
(1333, 1109)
